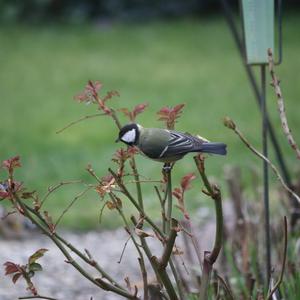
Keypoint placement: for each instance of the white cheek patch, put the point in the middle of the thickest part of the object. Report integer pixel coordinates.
(129, 136)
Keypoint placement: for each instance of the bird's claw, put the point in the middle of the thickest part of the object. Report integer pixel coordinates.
(167, 168)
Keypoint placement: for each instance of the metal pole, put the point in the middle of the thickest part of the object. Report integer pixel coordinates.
(265, 173)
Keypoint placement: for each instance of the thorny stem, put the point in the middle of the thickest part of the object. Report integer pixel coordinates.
(277, 284)
(231, 125)
(210, 257)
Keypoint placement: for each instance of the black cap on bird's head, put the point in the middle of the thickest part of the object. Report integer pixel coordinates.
(129, 134)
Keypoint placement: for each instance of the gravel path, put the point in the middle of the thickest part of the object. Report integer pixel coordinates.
(59, 279)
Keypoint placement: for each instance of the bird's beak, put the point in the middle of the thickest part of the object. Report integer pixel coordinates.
(117, 140)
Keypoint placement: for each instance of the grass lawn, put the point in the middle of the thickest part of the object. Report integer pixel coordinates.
(193, 62)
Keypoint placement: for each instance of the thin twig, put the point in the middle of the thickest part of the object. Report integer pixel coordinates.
(37, 297)
(281, 107)
(79, 120)
(71, 204)
(51, 189)
(277, 284)
(231, 125)
(124, 247)
(226, 286)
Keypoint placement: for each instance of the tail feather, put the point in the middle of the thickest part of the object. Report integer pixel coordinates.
(214, 148)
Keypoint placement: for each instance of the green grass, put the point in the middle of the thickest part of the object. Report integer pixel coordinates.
(191, 61)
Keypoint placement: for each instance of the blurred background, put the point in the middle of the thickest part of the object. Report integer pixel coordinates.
(160, 52)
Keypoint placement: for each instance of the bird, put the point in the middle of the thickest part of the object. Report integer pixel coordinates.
(166, 145)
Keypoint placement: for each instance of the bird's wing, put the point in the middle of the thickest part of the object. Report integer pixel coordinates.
(180, 143)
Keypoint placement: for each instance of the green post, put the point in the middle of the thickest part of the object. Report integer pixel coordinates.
(258, 16)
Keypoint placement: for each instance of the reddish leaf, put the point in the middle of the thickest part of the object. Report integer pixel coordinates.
(106, 185)
(132, 151)
(178, 108)
(93, 87)
(90, 92)
(186, 181)
(125, 111)
(11, 268)
(11, 163)
(138, 109)
(110, 94)
(170, 115)
(3, 195)
(177, 193)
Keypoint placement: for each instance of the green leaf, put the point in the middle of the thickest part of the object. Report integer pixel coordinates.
(35, 267)
(35, 256)
(30, 274)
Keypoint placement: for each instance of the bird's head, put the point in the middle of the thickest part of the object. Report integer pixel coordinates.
(129, 134)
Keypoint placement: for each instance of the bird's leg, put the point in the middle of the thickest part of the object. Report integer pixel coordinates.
(167, 168)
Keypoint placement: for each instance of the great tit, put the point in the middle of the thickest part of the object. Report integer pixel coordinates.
(166, 145)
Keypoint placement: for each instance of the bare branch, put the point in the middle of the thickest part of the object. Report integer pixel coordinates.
(79, 120)
(70, 204)
(51, 189)
(281, 107)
